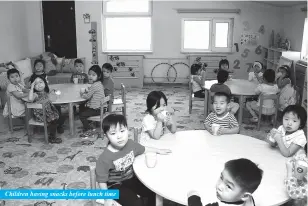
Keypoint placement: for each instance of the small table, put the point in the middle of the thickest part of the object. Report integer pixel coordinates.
(198, 158)
(70, 94)
(238, 87)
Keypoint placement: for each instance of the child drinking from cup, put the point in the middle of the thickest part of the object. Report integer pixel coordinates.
(237, 182)
(39, 93)
(157, 119)
(257, 74)
(79, 76)
(221, 121)
(114, 167)
(197, 80)
(290, 137)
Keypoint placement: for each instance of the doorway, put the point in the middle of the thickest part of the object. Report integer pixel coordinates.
(60, 28)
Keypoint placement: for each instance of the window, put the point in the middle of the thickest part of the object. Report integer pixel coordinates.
(127, 26)
(207, 35)
(304, 52)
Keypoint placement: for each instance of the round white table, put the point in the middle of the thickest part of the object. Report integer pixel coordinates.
(238, 87)
(198, 158)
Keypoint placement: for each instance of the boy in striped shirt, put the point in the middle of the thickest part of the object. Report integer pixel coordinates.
(221, 115)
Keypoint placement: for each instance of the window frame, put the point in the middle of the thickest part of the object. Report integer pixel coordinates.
(106, 15)
(212, 35)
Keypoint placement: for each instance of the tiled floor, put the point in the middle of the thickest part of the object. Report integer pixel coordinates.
(68, 163)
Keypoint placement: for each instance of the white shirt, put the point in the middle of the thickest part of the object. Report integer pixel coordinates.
(148, 123)
(195, 85)
(252, 77)
(297, 137)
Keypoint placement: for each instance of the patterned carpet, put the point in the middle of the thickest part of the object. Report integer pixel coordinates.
(38, 165)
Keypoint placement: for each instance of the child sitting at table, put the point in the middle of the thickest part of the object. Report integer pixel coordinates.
(223, 65)
(16, 91)
(157, 119)
(267, 87)
(239, 179)
(114, 167)
(197, 80)
(221, 115)
(39, 71)
(290, 137)
(108, 81)
(39, 93)
(94, 95)
(222, 77)
(79, 72)
(257, 74)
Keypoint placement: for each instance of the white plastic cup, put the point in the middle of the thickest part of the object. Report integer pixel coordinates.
(75, 80)
(151, 159)
(83, 90)
(215, 128)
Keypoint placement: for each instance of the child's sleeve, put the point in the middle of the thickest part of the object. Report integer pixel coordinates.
(232, 121)
(102, 170)
(294, 190)
(138, 148)
(209, 119)
(300, 140)
(259, 89)
(148, 123)
(11, 88)
(90, 93)
(250, 76)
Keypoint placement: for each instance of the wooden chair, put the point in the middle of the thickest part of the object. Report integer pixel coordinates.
(10, 118)
(273, 97)
(30, 121)
(100, 117)
(137, 132)
(192, 98)
(120, 101)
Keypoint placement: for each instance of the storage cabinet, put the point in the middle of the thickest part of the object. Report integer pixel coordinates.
(128, 69)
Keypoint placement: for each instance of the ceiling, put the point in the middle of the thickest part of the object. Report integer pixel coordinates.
(284, 3)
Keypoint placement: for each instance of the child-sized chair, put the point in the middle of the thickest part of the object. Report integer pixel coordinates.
(30, 121)
(273, 97)
(10, 116)
(99, 118)
(192, 98)
(120, 101)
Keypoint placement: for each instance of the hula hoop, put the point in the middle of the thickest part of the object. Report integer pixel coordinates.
(167, 72)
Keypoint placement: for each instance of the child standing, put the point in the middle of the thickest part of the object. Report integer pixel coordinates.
(226, 120)
(256, 74)
(290, 137)
(222, 77)
(239, 179)
(79, 74)
(267, 87)
(108, 81)
(114, 167)
(16, 91)
(94, 96)
(39, 93)
(197, 80)
(157, 119)
(39, 70)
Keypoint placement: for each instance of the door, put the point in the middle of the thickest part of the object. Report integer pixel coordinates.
(60, 28)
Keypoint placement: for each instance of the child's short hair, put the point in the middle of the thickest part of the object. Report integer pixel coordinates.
(299, 111)
(108, 66)
(113, 120)
(12, 71)
(195, 68)
(222, 94)
(287, 69)
(222, 76)
(39, 61)
(154, 99)
(246, 173)
(269, 76)
(223, 61)
(78, 61)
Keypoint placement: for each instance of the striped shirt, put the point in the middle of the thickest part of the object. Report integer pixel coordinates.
(118, 166)
(94, 95)
(228, 121)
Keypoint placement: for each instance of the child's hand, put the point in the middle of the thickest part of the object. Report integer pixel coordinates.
(164, 151)
(290, 164)
(192, 192)
(220, 131)
(161, 117)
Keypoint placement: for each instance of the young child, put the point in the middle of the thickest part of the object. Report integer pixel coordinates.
(256, 74)
(239, 179)
(197, 80)
(108, 81)
(17, 91)
(82, 77)
(157, 119)
(39, 70)
(288, 93)
(39, 93)
(290, 137)
(267, 87)
(114, 167)
(222, 77)
(94, 96)
(221, 115)
(223, 65)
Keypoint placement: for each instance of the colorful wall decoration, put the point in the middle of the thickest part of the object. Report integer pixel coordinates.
(93, 40)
